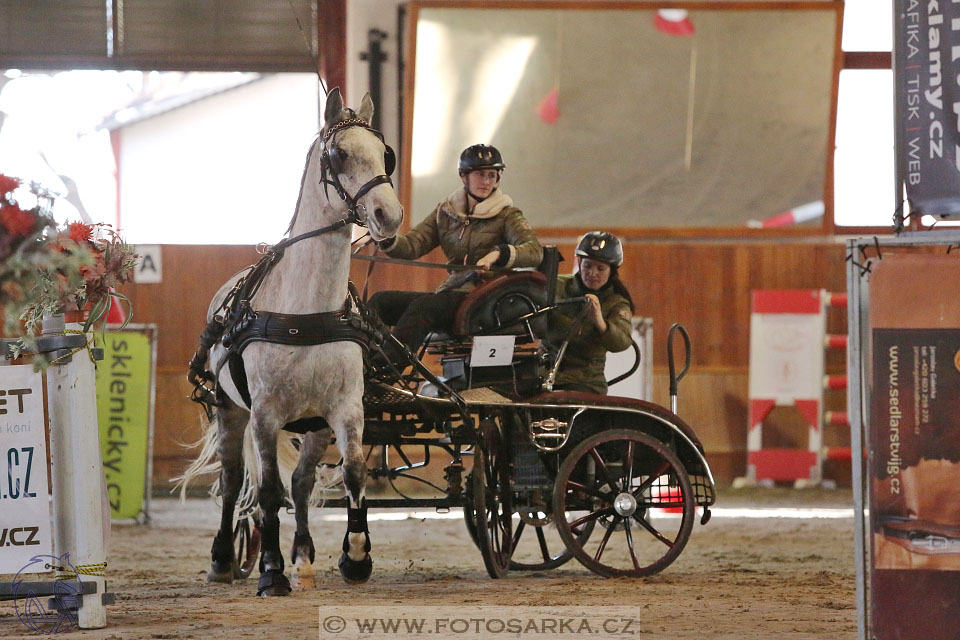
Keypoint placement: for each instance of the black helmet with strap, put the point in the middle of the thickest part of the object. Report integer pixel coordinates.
(480, 156)
(602, 246)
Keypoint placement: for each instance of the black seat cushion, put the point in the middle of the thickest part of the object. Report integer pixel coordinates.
(497, 302)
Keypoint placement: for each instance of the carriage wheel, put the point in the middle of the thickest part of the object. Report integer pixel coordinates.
(492, 501)
(246, 544)
(639, 493)
(542, 547)
(469, 513)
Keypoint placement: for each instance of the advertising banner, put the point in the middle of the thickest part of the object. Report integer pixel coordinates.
(25, 529)
(123, 410)
(913, 447)
(927, 72)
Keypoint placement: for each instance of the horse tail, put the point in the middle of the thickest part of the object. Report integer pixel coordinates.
(208, 462)
(329, 478)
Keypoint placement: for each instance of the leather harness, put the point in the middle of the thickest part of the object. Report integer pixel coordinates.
(235, 325)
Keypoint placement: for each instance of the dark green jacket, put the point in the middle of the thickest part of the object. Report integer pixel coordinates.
(586, 355)
(495, 222)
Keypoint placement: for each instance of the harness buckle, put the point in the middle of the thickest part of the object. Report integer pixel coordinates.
(263, 248)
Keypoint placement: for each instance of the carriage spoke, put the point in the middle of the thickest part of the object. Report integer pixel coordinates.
(633, 555)
(656, 534)
(606, 538)
(593, 515)
(651, 479)
(602, 467)
(596, 493)
(518, 533)
(629, 460)
(542, 540)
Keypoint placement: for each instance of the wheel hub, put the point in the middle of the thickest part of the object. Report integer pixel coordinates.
(625, 505)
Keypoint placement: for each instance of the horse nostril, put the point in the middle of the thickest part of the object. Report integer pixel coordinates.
(380, 216)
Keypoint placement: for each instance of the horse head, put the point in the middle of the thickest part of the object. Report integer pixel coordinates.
(357, 163)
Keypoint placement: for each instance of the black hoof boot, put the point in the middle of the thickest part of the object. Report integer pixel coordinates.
(354, 572)
(273, 583)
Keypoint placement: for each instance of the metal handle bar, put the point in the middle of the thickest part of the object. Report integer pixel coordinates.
(674, 377)
(636, 365)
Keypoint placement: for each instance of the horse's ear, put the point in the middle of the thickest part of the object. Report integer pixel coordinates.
(366, 108)
(334, 106)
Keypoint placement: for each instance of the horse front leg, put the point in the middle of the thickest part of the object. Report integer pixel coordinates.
(231, 421)
(355, 562)
(302, 483)
(272, 581)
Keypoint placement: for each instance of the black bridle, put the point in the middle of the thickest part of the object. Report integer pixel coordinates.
(330, 165)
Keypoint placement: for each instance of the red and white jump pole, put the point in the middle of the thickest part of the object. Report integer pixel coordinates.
(797, 215)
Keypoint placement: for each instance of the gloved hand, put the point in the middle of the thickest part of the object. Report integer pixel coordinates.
(384, 245)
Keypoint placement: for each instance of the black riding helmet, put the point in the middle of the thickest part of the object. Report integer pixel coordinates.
(602, 246)
(480, 156)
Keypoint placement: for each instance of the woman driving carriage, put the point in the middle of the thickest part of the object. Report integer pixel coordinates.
(603, 326)
(476, 224)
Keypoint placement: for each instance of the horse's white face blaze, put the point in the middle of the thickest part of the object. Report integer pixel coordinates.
(363, 155)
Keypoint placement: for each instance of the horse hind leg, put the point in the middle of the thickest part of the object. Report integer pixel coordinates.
(355, 562)
(232, 421)
(272, 581)
(302, 483)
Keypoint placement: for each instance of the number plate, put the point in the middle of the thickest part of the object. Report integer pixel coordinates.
(24, 500)
(492, 351)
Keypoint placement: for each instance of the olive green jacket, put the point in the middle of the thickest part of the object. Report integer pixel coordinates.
(586, 355)
(465, 239)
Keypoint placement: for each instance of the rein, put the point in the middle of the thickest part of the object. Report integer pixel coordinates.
(339, 224)
(414, 263)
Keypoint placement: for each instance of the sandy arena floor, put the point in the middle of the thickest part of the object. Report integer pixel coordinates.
(741, 576)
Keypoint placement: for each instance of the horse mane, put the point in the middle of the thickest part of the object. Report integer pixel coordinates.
(343, 115)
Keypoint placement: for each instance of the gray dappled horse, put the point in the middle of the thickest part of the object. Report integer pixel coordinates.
(290, 382)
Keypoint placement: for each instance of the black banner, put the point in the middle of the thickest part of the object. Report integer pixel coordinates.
(926, 67)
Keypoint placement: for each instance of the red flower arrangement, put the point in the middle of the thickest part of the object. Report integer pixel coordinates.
(45, 269)
(8, 185)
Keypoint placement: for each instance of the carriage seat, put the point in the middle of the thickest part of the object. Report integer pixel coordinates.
(489, 310)
(498, 301)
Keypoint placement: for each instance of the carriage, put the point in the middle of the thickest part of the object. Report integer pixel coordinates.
(542, 475)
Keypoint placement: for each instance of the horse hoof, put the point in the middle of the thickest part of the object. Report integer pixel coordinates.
(220, 572)
(225, 578)
(354, 572)
(273, 583)
(303, 582)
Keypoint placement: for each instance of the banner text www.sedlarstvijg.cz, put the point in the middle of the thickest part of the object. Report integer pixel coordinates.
(479, 622)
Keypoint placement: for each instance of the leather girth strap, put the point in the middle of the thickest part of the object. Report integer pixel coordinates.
(292, 329)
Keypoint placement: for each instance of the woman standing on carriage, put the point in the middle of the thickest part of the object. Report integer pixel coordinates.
(476, 224)
(604, 326)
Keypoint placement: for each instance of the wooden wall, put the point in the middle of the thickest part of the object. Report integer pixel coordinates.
(703, 283)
